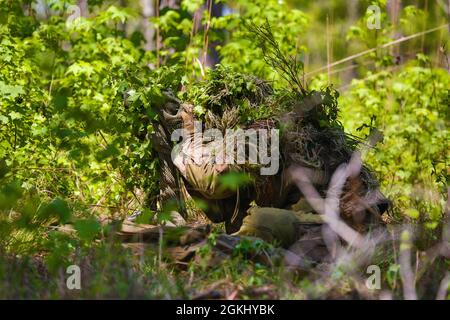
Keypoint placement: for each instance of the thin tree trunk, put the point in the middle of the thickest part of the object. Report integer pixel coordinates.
(148, 11)
(448, 14)
(41, 9)
(123, 26)
(83, 5)
(352, 11)
(393, 8)
(212, 57)
(352, 17)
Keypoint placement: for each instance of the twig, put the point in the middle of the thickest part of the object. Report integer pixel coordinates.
(357, 55)
(287, 67)
(157, 34)
(328, 52)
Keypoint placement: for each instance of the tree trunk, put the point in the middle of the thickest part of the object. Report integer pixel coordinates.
(393, 8)
(352, 11)
(212, 57)
(148, 11)
(83, 5)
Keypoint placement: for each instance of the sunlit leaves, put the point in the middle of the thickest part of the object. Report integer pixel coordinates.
(411, 111)
(63, 110)
(13, 91)
(115, 14)
(81, 68)
(191, 5)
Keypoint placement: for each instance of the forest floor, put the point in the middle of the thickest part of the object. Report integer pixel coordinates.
(202, 262)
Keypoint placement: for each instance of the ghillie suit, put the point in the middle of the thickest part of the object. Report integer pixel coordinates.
(170, 193)
(311, 138)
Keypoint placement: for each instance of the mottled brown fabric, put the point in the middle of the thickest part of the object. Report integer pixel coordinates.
(275, 225)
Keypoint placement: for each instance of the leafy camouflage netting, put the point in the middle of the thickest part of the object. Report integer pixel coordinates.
(311, 134)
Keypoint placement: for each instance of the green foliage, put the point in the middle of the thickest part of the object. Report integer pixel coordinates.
(62, 105)
(87, 229)
(78, 98)
(247, 247)
(225, 89)
(234, 180)
(411, 109)
(246, 54)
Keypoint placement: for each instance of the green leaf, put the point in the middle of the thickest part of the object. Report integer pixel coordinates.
(57, 208)
(81, 68)
(4, 119)
(145, 217)
(234, 180)
(15, 115)
(12, 90)
(87, 229)
(412, 213)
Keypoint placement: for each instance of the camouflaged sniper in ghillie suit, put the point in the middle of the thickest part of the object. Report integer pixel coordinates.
(272, 207)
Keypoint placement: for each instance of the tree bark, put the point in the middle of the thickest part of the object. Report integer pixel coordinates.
(83, 5)
(148, 11)
(393, 8)
(352, 11)
(212, 57)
